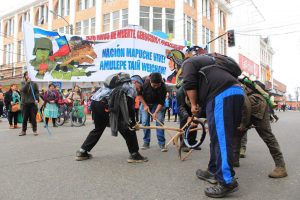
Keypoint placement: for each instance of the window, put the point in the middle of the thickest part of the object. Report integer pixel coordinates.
(203, 35)
(61, 30)
(10, 27)
(188, 28)
(67, 30)
(106, 22)
(86, 4)
(20, 51)
(194, 31)
(116, 20)
(157, 19)
(94, 3)
(206, 8)
(9, 53)
(222, 20)
(68, 7)
(124, 17)
(93, 25)
(85, 27)
(144, 17)
(79, 5)
(78, 28)
(170, 21)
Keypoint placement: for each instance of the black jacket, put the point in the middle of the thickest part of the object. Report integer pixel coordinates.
(214, 82)
(153, 96)
(26, 93)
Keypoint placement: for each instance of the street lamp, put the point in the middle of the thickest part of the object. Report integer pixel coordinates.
(297, 95)
(70, 25)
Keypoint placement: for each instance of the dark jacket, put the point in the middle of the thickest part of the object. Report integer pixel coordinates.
(153, 96)
(51, 96)
(214, 82)
(8, 99)
(26, 93)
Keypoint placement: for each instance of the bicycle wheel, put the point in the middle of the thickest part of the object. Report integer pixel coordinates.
(61, 118)
(77, 119)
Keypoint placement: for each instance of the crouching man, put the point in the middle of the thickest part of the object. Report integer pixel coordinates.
(105, 100)
(216, 90)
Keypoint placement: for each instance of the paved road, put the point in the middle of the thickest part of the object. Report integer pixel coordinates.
(43, 167)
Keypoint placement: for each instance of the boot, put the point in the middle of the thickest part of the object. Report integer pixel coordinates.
(243, 153)
(278, 172)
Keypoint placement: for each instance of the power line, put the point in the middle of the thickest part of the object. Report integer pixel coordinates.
(274, 27)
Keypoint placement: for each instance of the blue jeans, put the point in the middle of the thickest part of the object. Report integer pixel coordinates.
(146, 122)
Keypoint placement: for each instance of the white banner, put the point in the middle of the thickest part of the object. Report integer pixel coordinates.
(52, 56)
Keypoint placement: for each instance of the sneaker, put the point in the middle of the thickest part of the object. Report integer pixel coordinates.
(219, 191)
(35, 133)
(80, 156)
(163, 148)
(23, 133)
(278, 172)
(243, 153)
(137, 158)
(236, 164)
(145, 146)
(206, 176)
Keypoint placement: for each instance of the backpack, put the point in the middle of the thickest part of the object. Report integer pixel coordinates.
(225, 63)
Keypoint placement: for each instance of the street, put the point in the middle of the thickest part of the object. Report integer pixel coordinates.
(44, 167)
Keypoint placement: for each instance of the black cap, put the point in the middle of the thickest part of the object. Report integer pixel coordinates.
(155, 77)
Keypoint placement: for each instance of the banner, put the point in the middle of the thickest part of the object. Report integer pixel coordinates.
(52, 56)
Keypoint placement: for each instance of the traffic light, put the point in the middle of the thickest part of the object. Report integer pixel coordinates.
(231, 39)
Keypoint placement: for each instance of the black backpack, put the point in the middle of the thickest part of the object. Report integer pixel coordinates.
(225, 63)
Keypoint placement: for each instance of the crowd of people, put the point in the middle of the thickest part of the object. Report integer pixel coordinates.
(207, 86)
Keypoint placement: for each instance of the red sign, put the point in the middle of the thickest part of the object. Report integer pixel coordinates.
(248, 65)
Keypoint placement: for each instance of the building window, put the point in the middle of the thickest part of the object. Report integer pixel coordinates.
(145, 17)
(67, 30)
(206, 8)
(93, 3)
(203, 35)
(9, 53)
(124, 17)
(116, 20)
(222, 20)
(170, 22)
(61, 30)
(106, 22)
(157, 19)
(188, 28)
(79, 4)
(86, 4)
(93, 25)
(20, 56)
(10, 26)
(194, 32)
(78, 28)
(85, 27)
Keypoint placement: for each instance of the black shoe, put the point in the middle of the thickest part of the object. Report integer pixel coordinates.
(137, 158)
(146, 146)
(82, 155)
(23, 133)
(236, 164)
(206, 176)
(219, 191)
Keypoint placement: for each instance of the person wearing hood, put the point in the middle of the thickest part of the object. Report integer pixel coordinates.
(100, 111)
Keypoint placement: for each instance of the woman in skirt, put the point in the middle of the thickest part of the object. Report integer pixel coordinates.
(51, 109)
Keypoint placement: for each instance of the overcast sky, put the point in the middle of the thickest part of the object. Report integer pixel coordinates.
(286, 61)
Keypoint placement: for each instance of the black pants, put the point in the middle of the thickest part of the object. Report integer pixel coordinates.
(1, 108)
(13, 116)
(168, 110)
(175, 120)
(137, 113)
(101, 120)
(53, 121)
(29, 112)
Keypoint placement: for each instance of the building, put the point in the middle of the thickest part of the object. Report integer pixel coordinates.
(266, 57)
(182, 21)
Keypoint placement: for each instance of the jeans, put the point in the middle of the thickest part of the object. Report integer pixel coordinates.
(146, 122)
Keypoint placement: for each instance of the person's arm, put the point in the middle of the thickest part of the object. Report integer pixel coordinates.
(142, 100)
(36, 92)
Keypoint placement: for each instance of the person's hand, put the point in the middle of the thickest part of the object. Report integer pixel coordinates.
(12, 103)
(36, 102)
(194, 109)
(146, 109)
(154, 115)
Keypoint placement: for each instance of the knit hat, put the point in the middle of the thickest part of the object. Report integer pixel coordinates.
(138, 79)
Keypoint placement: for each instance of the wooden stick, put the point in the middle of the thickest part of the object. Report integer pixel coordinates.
(187, 155)
(160, 127)
(178, 133)
(160, 123)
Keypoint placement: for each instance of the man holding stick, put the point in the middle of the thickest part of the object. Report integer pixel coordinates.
(152, 96)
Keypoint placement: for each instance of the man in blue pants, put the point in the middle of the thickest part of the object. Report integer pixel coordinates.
(217, 91)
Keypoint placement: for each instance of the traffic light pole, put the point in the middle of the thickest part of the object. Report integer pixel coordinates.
(217, 38)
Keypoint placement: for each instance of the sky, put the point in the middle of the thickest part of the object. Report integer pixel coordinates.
(286, 61)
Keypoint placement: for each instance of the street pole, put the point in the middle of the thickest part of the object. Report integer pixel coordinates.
(70, 25)
(297, 95)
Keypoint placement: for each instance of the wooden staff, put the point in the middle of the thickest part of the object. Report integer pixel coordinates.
(160, 123)
(159, 127)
